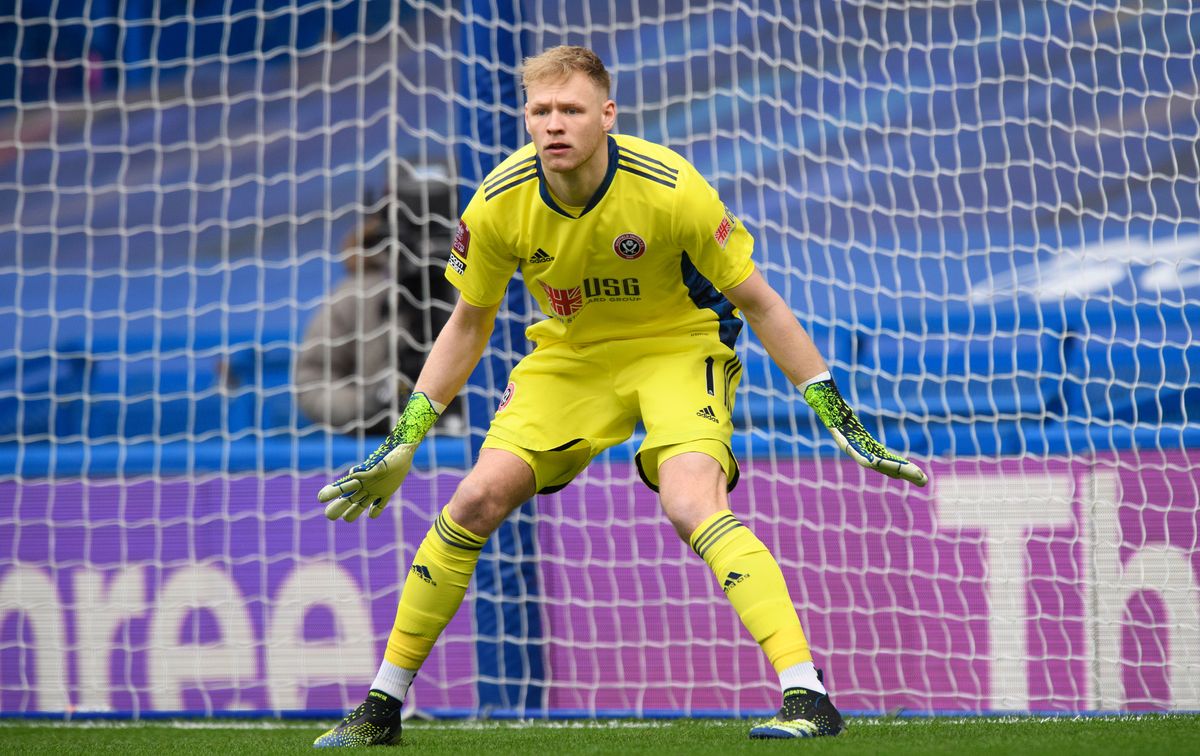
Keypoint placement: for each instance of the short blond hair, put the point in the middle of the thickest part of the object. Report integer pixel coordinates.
(561, 62)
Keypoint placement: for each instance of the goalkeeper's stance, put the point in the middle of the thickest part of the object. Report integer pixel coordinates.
(640, 271)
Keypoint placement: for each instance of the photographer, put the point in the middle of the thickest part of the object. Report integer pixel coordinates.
(365, 345)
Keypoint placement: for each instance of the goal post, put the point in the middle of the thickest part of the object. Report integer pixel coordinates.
(508, 619)
(986, 215)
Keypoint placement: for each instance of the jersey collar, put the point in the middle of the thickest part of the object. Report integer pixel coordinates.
(544, 188)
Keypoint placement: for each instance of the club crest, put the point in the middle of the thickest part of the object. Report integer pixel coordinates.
(629, 246)
(508, 395)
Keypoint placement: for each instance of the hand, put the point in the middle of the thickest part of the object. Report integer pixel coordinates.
(853, 439)
(370, 484)
(373, 482)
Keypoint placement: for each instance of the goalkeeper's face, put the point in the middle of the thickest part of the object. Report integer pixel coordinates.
(568, 120)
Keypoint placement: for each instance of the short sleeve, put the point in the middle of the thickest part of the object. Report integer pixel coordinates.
(481, 263)
(714, 238)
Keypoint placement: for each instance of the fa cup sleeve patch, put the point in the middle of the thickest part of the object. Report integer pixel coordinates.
(462, 240)
(458, 252)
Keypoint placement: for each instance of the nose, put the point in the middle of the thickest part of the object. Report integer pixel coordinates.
(554, 122)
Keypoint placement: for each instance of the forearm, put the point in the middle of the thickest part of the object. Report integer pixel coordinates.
(786, 341)
(795, 353)
(456, 352)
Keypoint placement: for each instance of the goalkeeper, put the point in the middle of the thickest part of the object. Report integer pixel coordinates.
(641, 272)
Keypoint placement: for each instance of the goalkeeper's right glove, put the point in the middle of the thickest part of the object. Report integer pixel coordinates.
(372, 483)
(847, 430)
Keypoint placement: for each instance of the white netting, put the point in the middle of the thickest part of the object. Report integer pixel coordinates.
(985, 213)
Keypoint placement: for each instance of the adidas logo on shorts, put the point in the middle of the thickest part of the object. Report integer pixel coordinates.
(708, 414)
(541, 256)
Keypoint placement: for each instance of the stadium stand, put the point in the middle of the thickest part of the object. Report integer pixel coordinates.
(1048, 385)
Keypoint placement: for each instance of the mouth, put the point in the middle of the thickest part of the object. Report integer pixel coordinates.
(557, 148)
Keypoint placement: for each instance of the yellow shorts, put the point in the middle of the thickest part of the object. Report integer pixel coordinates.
(565, 404)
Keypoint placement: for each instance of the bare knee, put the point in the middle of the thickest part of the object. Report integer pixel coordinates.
(474, 509)
(691, 489)
(497, 485)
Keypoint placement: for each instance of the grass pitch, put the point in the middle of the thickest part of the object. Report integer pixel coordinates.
(1168, 733)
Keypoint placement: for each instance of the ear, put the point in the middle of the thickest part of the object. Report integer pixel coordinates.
(528, 128)
(609, 115)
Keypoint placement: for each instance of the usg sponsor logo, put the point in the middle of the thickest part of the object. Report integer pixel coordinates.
(612, 289)
(566, 303)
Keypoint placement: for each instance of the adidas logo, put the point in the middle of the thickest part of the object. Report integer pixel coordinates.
(733, 579)
(422, 572)
(708, 414)
(541, 256)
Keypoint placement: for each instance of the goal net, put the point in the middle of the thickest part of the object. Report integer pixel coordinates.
(986, 214)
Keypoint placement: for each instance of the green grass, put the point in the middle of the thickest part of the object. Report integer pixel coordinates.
(1023, 735)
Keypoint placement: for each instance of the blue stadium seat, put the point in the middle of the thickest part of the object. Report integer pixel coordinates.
(268, 369)
(974, 394)
(763, 385)
(1135, 377)
(152, 398)
(169, 385)
(249, 452)
(967, 378)
(32, 392)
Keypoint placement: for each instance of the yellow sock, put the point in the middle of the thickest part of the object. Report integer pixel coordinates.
(433, 591)
(752, 580)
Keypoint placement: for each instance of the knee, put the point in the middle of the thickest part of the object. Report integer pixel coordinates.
(477, 508)
(496, 486)
(687, 508)
(682, 515)
(691, 489)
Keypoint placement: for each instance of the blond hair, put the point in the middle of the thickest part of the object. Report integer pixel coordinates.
(561, 62)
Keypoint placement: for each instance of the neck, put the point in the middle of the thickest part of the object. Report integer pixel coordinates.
(576, 187)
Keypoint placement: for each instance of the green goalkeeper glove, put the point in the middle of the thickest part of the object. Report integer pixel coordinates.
(372, 483)
(823, 396)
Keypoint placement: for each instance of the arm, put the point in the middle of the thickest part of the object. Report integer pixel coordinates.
(456, 351)
(798, 357)
(454, 355)
(777, 328)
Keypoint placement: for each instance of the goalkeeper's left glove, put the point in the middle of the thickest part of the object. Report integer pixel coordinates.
(372, 483)
(847, 430)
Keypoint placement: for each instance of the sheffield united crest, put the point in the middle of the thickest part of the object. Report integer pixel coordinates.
(629, 246)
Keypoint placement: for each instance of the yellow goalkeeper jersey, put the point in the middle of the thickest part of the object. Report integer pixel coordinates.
(648, 256)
